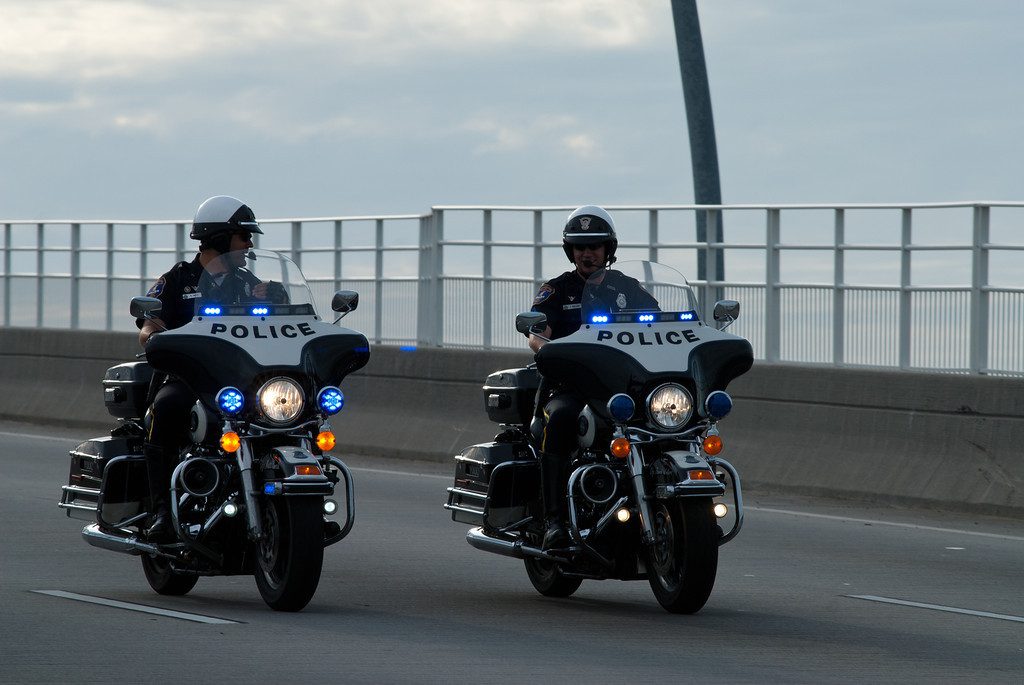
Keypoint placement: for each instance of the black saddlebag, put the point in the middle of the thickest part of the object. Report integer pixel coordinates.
(496, 483)
(509, 395)
(79, 498)
(125, 388)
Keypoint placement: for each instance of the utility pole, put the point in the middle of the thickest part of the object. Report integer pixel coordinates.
(700, 123)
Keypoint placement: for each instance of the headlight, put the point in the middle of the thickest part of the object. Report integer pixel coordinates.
(281, 400)
(670, 406)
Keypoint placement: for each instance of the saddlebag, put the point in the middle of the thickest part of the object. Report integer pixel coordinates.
(496, 484)
(79, 498)
(125, 389)
(509, 395)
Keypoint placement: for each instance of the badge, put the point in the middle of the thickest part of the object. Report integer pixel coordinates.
(191, 296)
(157, 288)
(544, 293)
(620, 301)
(585, 223)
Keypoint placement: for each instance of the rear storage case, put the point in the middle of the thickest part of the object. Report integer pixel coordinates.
(495, 484)
(509, 395)
(125, 388)
(79, 498)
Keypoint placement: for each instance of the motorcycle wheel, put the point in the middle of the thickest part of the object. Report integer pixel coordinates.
(165, 581)
(291, 553)
(548, 579)
(683, 561)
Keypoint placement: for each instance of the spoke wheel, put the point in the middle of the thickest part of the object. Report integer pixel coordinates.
(291, 553)
(683, 561)
(163, 579)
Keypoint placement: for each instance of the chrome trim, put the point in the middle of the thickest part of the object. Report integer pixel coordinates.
(737, 492)
(635, 462)
(127, 543)
(243, 458)
(465, 510)
(641, 435)
(79, 490)
(603, 521)
(476, 537)
(467, 493)
(350, 501)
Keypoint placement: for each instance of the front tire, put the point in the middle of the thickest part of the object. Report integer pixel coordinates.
(683, 561)
(163, 579)
(291, 553)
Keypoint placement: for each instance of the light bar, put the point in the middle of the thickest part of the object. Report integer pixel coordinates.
(212, 311)
(644, 317)
(260, 311)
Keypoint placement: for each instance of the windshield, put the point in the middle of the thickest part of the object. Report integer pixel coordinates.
(253, 282)
(638, 292)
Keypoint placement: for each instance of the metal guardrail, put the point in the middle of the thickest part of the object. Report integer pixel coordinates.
(854, 284)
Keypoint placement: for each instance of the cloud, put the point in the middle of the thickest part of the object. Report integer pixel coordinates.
(113, 39)
(551, 132)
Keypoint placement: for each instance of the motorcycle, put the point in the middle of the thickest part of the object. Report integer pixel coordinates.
(251, 491)
(647, 487)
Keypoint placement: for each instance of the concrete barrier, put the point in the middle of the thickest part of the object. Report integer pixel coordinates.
(936, 440)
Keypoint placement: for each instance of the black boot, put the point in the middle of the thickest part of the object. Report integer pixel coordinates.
(158, 467)
(553, 474)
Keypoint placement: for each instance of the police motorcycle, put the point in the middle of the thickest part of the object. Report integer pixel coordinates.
(647, 489)
(252, 492)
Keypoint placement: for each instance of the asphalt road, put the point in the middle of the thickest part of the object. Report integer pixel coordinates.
(405, 599)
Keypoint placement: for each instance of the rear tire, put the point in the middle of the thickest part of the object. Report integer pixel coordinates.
(683, 561)
(548, 579)
(291, 554)
(163, 579)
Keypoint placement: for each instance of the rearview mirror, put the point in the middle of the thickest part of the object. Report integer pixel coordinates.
(145, 307)
(531, 322)
(345, 301)
(726, 311)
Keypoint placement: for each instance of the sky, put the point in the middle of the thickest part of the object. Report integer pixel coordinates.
(117, 109)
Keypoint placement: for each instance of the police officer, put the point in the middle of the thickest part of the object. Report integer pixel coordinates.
(589, 242)
(222, 225)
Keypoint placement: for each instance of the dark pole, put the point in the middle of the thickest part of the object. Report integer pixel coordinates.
(707, 189)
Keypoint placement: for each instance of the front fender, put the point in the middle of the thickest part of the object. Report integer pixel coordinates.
(681, 463)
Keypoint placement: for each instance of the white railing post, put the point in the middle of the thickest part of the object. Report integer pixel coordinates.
(179, 243)
(378, 285)
(7, 275)
(538, 249)
(109, 325)
(143, 257)
(487, 238)
(76, 273)
(430, 298)
(979, 291)
(40, 251)
(297, 243)
(337, 255)
(652, 235)
(904, 308)
(712, 288)
(838, 291)
(772, 298)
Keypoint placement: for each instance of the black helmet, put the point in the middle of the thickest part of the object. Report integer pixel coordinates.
(590, 225)
(222, 215)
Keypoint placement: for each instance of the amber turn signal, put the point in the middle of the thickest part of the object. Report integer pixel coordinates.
(229, 442)
(700, 474)
(620, 448)
(325, 441)
(308, 470)
(712, 445)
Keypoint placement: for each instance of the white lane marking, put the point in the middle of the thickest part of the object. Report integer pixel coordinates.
(399, 473)
(939, 607)
(897, 524)
(197, 618)
(35, 436)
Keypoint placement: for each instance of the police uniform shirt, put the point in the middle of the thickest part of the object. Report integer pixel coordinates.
(177, 290)
(561, 299)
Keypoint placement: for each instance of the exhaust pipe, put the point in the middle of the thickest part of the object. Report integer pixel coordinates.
(476, 537)
(127, 544)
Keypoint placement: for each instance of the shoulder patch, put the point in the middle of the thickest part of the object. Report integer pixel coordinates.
(544, 293)
(157, 288)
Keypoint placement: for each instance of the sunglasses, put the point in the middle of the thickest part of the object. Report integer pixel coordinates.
(245, 235)
(584, 248)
